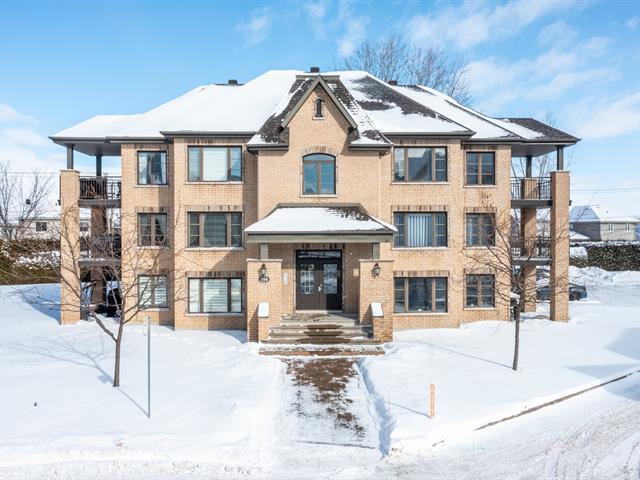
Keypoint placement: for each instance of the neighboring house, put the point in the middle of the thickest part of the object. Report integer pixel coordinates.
(307, 192)
(46, 226)
(601, 223)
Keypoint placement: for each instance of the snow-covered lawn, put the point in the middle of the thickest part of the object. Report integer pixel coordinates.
(471, 366)
(213, 397)
(221, 410)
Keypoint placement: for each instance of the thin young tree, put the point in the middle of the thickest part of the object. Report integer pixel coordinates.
(23, 197)
(110, 278)
(392, 58)
(508, 256)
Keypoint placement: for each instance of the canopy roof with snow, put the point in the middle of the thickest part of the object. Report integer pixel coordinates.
(261, 109)
(342, 223)
(596, 213)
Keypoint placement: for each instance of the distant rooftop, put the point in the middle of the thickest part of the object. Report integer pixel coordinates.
(597, 213)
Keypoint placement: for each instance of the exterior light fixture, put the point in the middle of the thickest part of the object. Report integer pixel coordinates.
(262, 274)
(376, 270)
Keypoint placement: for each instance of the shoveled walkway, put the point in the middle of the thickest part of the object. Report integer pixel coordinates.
(327, 426)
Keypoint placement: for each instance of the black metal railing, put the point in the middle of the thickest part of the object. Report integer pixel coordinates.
(531, 188)
(102, 246)
(536, 247)
(100, 188)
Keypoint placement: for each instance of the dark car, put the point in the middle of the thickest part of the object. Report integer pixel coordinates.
(576, 292)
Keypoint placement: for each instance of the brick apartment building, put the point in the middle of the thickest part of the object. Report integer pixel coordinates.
(311, 192)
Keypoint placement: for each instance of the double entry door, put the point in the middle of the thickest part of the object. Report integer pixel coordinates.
(318, 280)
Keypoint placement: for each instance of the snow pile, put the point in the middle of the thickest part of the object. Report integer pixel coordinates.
(578, 252)
(471, 366)
(598, 277)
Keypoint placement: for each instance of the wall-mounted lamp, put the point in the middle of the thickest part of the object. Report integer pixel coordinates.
(262, 274)
(376, 270)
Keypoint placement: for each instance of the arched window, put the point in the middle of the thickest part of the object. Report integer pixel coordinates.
(319, 109)
(319, 170)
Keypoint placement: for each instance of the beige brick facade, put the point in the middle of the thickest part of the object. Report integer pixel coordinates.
(273, 177)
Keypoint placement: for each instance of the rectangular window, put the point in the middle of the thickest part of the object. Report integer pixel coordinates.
(480, 291)
(480, 231)
(627, 227)
(41, 226)
(215, 295)
(152, 229)
(420, 294)
(84, 226)
(481, 168)
(152, 168)
(215, 229)
(215, 164)
(420, 229)
(610, 227)
(152, 291)
(420, 164)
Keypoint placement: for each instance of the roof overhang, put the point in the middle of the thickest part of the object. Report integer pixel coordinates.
(107, 146)
(308, 223)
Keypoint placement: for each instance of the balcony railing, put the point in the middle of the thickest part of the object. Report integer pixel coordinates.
(100, 188)
(531, 188)
(536, 247)
(106, 246)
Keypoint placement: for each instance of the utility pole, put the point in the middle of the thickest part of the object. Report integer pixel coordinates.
(147, 324)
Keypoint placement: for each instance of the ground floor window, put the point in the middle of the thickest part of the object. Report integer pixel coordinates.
(420, 294)
(480, 291)
(215, 295)
(152, 291)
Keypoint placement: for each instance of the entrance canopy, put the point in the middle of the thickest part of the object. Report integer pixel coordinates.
(327, 223)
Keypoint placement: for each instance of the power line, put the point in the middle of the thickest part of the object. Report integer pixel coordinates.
(611, 189)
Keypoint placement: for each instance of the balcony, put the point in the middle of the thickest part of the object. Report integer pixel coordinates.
(532, 251)
(531, 192)
(100, 251)
(100, 191)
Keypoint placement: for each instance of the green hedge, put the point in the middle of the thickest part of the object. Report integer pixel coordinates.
(613, 256)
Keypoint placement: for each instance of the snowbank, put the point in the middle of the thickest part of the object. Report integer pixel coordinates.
(471, 366)
(597, 276)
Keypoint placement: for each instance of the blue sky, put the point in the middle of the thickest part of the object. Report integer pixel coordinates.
(580, 60)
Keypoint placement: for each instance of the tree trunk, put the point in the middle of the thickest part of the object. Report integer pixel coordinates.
(116, 368)
(516, 347)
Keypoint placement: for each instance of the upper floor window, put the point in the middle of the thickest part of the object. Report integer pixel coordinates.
(152, 168)
(318, 108)
(152, 229)
(215, 164)
(319, 170)
(215, 295)
(420, 294)
(610, 227)
(420, 229)
(84, 226)
(215, 229)
(420, 164)
(41, 226)
(479, 291)
(152, 291)
(627, 227)
(481, 168)
(480, 231)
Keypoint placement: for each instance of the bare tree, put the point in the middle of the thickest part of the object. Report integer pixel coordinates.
(509, 257)
(100, 272)
(392, 58)
(22, 199)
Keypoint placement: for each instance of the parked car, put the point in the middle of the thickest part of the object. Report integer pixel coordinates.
(576, 292)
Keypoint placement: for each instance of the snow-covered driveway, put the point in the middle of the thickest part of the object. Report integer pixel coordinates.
(595, 436)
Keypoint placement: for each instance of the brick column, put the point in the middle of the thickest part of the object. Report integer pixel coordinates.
(377, 290)
(69, 246)
(559, 230)
(529, 232)
(260, 292)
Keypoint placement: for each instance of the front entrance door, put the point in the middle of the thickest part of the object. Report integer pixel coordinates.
(318, 280)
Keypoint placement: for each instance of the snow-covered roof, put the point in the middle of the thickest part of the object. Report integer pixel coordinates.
(259, 108)
(577, 237)
(347, 219)
(597, 213)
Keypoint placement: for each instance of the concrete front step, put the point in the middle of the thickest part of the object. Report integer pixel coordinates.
(320, 329)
